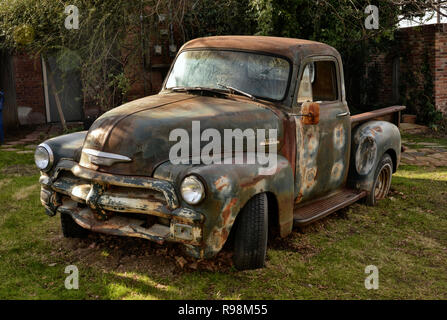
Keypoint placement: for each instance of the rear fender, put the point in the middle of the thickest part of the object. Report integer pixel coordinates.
(371, 141)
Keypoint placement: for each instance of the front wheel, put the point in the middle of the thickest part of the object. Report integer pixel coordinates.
(382, 180)
(70, 229)
(251, 234)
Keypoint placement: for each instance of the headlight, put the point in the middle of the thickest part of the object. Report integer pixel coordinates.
(192, 190)
(43, 157)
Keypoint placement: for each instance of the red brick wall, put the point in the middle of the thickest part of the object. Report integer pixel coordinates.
(418, 41)
(440, 78)
(29, 86)
(384, 64)
(414, 42)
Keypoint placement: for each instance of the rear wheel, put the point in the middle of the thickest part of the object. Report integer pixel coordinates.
(70, 229)
(382, 180)
(251, 235)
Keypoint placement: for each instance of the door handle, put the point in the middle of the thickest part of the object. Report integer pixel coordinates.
(343, 114)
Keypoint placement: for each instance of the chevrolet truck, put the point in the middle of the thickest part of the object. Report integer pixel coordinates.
(120, 177)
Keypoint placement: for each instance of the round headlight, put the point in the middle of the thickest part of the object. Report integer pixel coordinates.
(192, 190)
(43, 157)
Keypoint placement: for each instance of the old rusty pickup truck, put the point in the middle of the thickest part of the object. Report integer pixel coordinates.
(121, 177)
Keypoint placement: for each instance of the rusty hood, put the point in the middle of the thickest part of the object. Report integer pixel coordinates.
(140, 129)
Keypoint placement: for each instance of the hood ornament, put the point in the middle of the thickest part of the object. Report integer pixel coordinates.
(107, 159)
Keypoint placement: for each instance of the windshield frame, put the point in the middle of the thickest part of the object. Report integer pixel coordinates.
(238, 50)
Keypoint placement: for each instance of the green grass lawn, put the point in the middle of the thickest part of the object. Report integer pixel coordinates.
(405, 236)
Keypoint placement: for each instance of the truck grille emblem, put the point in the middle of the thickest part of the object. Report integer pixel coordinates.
(101, 158)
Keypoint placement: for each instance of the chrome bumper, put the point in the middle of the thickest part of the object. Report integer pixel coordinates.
(88, 195)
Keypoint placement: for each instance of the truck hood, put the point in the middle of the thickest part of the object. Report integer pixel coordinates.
(140, 129)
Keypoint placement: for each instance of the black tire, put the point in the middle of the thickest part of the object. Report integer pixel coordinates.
(382, 181)
(251, 235)
(70, 229)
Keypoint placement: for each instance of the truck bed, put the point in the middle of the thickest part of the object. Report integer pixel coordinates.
(391, 114)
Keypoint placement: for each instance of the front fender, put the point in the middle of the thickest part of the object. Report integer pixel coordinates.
(371, 141)
(228, 188)
(67, 146)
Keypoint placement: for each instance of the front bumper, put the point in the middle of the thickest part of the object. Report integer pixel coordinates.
(120, 205)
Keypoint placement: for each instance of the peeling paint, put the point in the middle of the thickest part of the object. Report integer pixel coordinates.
(337, 171)
(366, 155)
(307, 152)
(339, 137)
(226, 212)
(222, 183)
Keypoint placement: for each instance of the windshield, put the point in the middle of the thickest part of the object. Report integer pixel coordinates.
(257, 74)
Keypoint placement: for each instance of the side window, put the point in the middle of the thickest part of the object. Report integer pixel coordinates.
(305, 90)
(319, 82)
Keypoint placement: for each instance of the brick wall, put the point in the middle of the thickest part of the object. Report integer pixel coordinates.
(29, 89)
(418, 43)
(440, 78)
(413, 43)
(383, 64)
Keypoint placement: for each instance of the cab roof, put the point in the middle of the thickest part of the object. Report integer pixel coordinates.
(294, 49)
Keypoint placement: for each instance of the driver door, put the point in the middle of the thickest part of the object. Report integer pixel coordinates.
(322, 155)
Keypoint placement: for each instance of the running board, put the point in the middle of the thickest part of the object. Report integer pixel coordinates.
(318, 209)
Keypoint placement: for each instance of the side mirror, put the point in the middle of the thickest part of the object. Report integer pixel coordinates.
(310, 112)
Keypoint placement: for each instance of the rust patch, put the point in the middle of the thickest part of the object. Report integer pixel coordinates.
(362, 117)
(378, 129)
(366, 155)
(339, 136)
(337, 171)
(252, 182)
(283, 46)
(222, 183)
(224, 234)
(308, 152)
(311, 175)
(289, 147)
(311, 113)
(227, 210)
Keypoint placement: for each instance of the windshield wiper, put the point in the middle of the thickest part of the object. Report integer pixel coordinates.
(196, 89)
(238, 91)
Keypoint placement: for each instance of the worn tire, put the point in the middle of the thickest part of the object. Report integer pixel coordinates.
(382, 180)
(251, 235)
(70, 229)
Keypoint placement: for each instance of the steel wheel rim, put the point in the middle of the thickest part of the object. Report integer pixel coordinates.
(383, 182)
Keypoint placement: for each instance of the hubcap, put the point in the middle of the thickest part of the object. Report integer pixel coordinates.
(383, 182)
